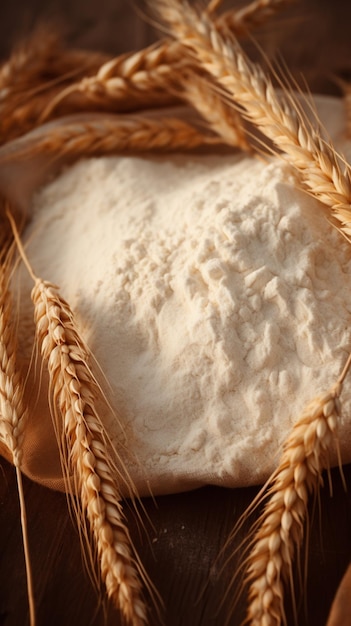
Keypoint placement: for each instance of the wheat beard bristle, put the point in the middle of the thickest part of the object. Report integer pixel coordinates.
(73, 390)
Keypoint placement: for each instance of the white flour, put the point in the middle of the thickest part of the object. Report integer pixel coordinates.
(216, 298)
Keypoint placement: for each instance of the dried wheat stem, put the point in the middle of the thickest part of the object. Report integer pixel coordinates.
(326, 176)
(103, 135)
(280, 531)
(13, 414)
(74, 394)
(24, 526)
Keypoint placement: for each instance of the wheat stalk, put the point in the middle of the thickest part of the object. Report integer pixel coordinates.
(84, 446)
(280, 527)
(13, 414)
(324, 173)
(103, 135)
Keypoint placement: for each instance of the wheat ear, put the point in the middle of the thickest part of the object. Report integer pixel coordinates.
(73, 390)
(85, 447)
(41, 59)
(280, 527)
(147, 77)
(13, 414)
(131, 80)
(21, 113)
(104, 135)
(324, 173)
(26, 62)
(34, 74)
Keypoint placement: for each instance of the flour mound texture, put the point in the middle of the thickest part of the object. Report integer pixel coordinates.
(216, 298)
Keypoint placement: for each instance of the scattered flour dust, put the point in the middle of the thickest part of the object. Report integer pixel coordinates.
(216, 298)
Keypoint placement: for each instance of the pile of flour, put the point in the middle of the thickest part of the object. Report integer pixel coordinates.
(215, 297)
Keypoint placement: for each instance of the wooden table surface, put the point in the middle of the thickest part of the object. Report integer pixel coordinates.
(185, 531)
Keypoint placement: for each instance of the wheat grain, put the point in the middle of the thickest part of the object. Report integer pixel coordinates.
(20, 113)
(26, 62)
(35, 73)
(12, 411)
(141, 77)
(278, 532)
(41, 59)
(220, 116)
(104, 135)
(38, 77)
(23, 115)
(148, 77)
(74, 392)
(88, 462)
(325, 174)
(154, 77)
(305, 455)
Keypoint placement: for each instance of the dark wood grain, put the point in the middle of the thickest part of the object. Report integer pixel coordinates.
(179, 549)
(312, 36)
